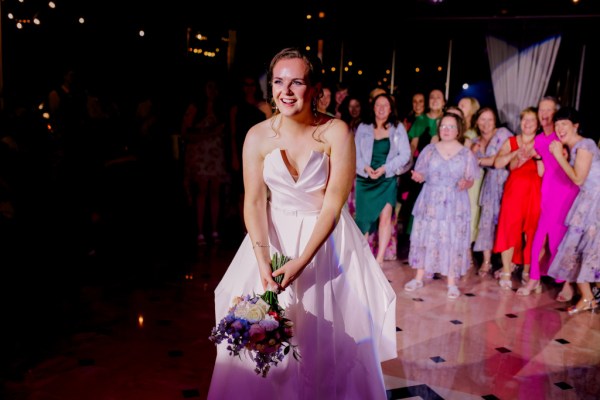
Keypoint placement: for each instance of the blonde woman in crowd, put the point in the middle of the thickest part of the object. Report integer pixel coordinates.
(469, 107)
(520, 206)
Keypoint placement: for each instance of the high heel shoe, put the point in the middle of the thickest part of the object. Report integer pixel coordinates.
(526, 290)
(505, 282)
(588, 304)
(485, 269)
(499, 272)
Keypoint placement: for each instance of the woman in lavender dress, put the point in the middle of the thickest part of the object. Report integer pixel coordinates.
(578, 255)
(441, 235)
(486, 146)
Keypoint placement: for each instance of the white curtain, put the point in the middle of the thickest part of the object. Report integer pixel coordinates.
(520, 76)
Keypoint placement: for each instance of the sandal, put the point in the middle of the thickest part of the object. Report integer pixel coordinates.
(588, 304)
(526, 290)
(413, 285)
(453, 292)
(505, 282)
(485, 269)
(499, 271)
(562, 298)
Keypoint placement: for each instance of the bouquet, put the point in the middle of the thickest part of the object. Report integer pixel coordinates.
(257, 323)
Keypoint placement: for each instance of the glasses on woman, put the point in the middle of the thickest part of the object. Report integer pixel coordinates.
(449, 127)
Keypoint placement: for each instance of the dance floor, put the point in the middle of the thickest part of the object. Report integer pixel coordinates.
(127, 340)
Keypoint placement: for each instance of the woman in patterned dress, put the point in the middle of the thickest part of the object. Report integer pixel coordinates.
(203, 131)
(441, 235)
(486, 146)
(578, 255)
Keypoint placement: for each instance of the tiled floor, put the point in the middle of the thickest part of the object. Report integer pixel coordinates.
(148, 339)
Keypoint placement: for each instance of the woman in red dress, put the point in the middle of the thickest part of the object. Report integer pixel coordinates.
(520, 206)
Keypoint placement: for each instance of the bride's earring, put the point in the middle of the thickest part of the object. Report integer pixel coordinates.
(314, 107)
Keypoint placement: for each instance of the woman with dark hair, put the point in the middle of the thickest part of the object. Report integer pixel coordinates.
(249, 109)
(203, 131)
(351, 111)
(578, 255)
(382, 149)
(489, 140)
(440, 237)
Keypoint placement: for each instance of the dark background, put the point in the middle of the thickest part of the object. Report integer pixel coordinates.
(52, 250)
(114, 59)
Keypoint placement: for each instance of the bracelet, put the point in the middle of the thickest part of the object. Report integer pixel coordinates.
(536, 158)
(259, 244)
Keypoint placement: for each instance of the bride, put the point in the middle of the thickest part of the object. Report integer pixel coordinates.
(298, 171)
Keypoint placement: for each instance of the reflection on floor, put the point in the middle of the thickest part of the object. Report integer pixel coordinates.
(147, 339)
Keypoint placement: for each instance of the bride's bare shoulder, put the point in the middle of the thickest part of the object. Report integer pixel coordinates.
(258, 139)
(333, 128)
(261, 130)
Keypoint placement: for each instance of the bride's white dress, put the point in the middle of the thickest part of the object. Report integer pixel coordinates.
(342, 304)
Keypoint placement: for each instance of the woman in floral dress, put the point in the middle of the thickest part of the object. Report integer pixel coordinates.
(441, 235)
(486, 146)
(578, 255)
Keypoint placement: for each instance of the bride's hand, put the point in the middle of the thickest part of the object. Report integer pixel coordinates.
(265, 277)
(291, 270)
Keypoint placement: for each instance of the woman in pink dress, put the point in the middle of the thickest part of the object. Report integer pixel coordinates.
(558, 194)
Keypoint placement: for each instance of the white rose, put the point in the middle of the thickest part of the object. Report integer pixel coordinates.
(255, 313)
(241, 309)
(263, 304)
(252, 312)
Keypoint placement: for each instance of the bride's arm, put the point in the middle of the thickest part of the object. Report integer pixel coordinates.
(255, 202)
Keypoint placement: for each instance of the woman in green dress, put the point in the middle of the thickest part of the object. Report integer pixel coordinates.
(382, 149)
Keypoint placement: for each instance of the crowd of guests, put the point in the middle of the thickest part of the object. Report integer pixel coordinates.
(534, 206)
(463, 186)
(463, 192)
(447, 181)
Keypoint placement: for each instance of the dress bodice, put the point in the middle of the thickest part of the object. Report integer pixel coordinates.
(592, 182)
(304, 194)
